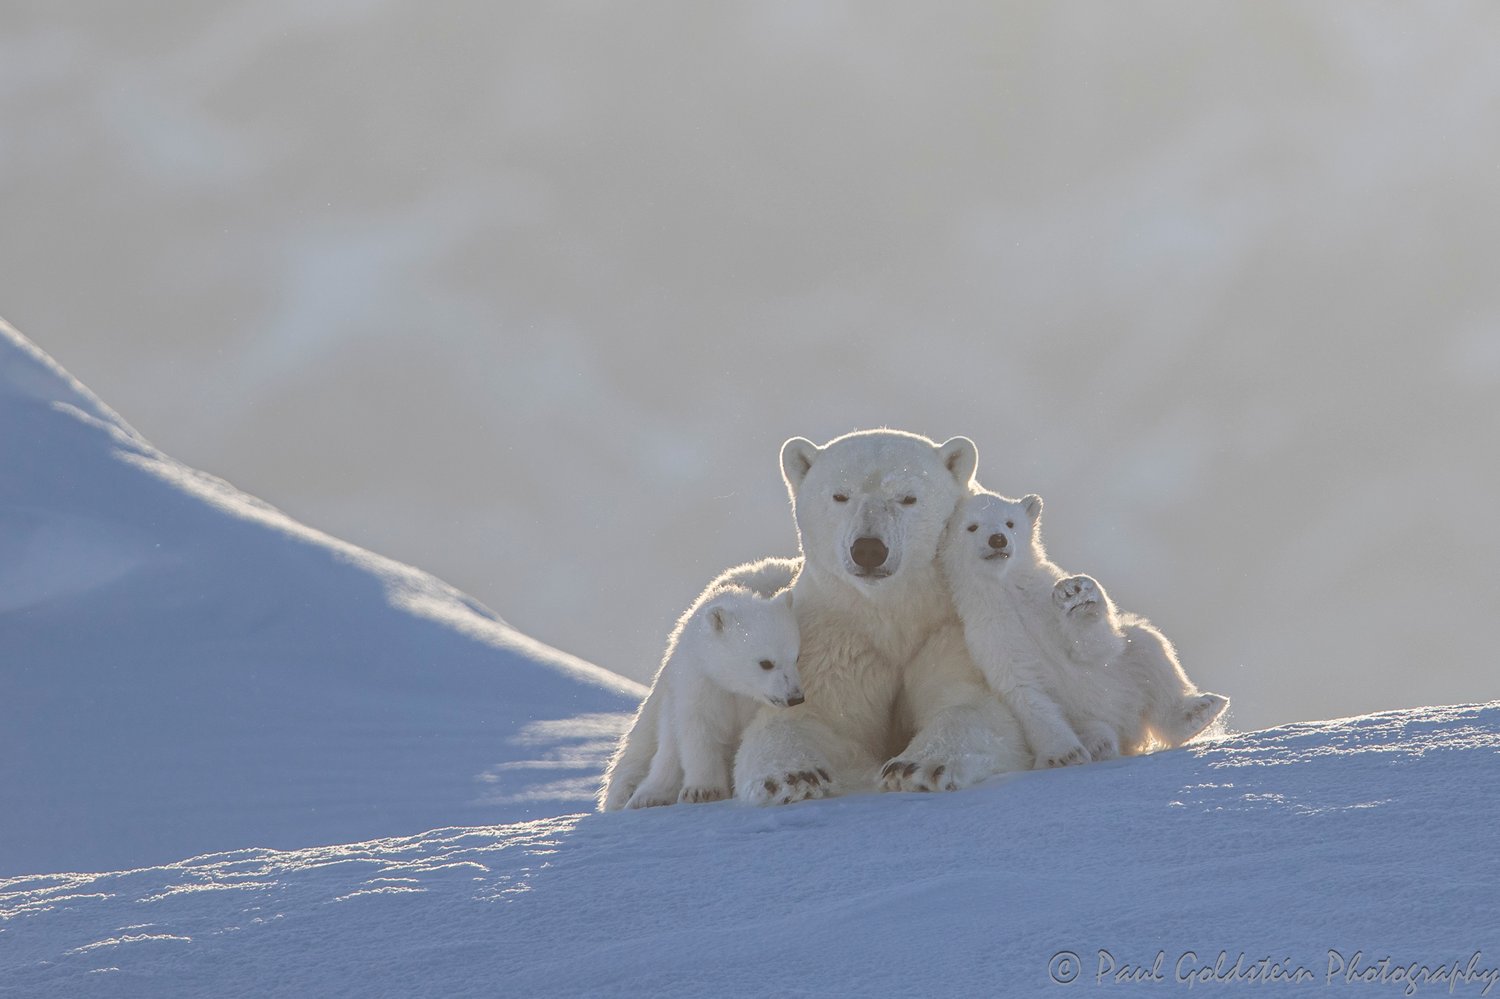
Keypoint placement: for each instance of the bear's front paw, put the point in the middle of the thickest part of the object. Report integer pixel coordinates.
(909, 775)
(1078, 596)
(651, 797)
(1064, 756)
(783, 789)
(1100, 740)
(693, 795)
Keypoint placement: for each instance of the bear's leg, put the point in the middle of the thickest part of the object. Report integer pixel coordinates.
(705, 763)
(1052, 740)
(964, 732)
(665, 777)
(1176, 711)
(1192, 715)
(785, 756)
(632, 759)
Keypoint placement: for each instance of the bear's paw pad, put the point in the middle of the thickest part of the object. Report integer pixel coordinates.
(1078, 595)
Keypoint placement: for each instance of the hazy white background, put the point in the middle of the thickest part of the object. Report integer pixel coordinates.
(530, 294)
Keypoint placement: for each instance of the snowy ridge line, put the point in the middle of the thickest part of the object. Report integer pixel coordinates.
(46, 380)
(36, 376)
(409, 588)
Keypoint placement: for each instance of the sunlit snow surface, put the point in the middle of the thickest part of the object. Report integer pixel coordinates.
(1372, 834)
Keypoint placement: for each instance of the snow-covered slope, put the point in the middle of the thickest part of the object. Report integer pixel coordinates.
(1370, 836)
(183, 668)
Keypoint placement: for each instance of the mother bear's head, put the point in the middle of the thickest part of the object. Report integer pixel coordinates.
(873, 502)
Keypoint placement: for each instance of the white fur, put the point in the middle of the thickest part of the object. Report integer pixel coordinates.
(682, 741)
(882, 651)
(1086, 681)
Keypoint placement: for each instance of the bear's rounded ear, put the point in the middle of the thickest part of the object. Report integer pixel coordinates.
(1033, 504)
(718, 618)
(797, 457)
(961, 457)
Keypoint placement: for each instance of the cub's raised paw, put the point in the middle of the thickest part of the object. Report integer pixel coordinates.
(1080, 596)
(783, 789)
(909, 775)
(1201, 712)
(692, 795)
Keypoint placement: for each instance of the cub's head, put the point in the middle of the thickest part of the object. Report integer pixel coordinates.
(992, 533)
(873, 503)
(751, 645)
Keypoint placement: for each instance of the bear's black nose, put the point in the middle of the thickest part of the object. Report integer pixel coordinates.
(869, 553)
(997, 541)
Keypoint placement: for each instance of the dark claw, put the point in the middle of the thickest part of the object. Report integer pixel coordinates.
(937, 774)
(890, 768)
(824, 774)
(909, 769)
(771, 786)
(808, 777)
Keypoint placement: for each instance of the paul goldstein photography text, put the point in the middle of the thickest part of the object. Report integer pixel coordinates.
(1189, 968)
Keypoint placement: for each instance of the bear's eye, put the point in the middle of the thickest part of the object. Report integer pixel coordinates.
(908, 501)
(1011, 524)
(972, 528)
(840, 498)
(767, 664)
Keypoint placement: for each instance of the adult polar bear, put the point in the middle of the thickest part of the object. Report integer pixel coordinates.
(883, 660)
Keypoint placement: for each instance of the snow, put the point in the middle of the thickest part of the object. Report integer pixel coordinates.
(187, 669)
(1371, 834)
(394, 787)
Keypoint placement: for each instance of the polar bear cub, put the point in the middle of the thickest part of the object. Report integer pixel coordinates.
(632, 758)
(1086, 681)
(733, 650)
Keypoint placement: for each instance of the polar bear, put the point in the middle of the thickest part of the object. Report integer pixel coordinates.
(1086, 681)
(883, 661)
(682, 740)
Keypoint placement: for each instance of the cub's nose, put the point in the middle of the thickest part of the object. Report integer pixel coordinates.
(793, 700)
(997, 541)
(869, 553)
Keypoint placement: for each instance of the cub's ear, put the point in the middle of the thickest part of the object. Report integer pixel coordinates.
(718, 618)
(1033, 504)
(797, 457)
(961, 457)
